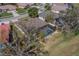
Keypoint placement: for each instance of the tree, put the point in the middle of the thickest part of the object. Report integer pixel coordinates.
(33, 12)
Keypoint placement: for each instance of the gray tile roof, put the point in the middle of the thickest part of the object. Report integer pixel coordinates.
(9, 7)
(37, 23)
(32, 23)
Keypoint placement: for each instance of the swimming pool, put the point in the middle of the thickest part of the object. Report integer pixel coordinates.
(2, 46)
(47, 30)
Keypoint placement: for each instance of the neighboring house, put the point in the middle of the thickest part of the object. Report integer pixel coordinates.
(23, 5)
(4, 8)
(4, 32)
(59, 21)
(57, 7)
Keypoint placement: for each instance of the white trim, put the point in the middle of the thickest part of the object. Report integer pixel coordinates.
(41, 18)
(55, 11)
(51, 24)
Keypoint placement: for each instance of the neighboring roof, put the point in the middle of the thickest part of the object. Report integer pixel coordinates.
(23, 4)
(9, 7)
(4, 27)
(32, 23)
(59, 6)
(4, 32)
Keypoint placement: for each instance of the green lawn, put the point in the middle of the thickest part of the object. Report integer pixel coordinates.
(56, 45)
(21, 10)
(5, 15)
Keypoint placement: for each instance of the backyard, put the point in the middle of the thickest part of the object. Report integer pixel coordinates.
(56, 45)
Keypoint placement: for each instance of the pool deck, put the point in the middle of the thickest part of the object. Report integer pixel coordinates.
(50, 35)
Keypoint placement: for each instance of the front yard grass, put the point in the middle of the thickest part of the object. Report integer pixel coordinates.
(5, 15)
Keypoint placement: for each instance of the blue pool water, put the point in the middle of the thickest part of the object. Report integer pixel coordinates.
(47, 30)
(1, 45)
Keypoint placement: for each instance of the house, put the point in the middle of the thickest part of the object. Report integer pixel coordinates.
(4, 8)
(31, 23)
(57, 7)
(4, 32)
(36, 26)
